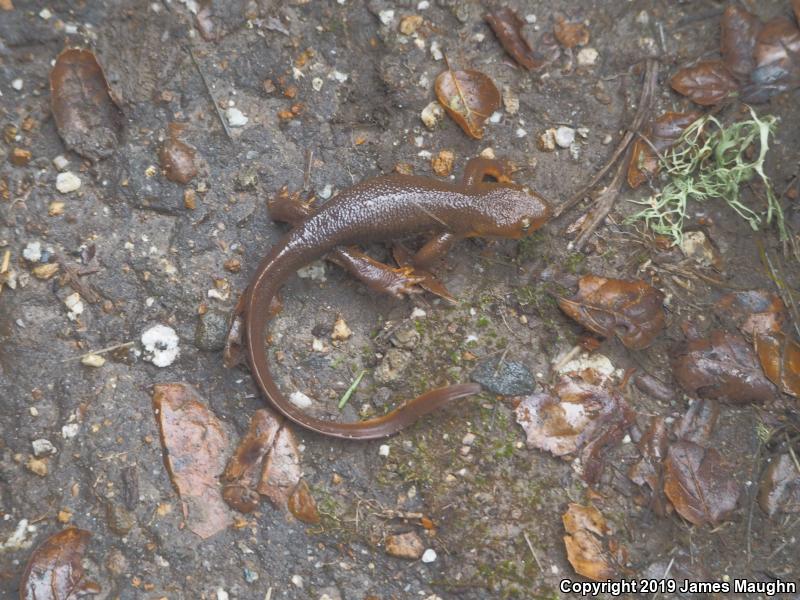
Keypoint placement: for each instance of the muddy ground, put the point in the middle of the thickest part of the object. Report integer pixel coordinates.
(497, 506)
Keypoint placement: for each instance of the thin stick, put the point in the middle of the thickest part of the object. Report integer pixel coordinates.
(210, 95)
(101, 351)
(533, 552)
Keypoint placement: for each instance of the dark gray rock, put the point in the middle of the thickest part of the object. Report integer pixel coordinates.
(506, 379)
(212, 328)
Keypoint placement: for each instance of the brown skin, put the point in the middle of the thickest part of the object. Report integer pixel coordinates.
(380, 209)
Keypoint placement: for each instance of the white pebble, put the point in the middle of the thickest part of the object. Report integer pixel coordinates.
(530, 18)
(43, 447)
(520, 132)
(300, 400)
(222, 594)
(339, 76)
(326, 192)
(45, 14)
(297, 581)
(74, 304)
(496, 117)
(418, 313)
(424, 5)
(67, 182)
(60, 162)
(386, 16)
(587, 57)
(468, 439)
(69, 431)
(160, 345)
(565, 136)
(316, 83)
(17, 84)
(436, 51)
(235, 117)
(383, 450)
(429, 555)
(32, 251)
(432, 115)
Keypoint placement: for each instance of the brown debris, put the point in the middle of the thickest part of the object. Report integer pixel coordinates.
(779, 355)
(586, 542)
(405, 545)
(507, 26)
(469, 97)
(443, 163)
(87, 118)
(302, 505)
(194, 447)
(779, 491)
(54, 570)
(281, 472)
(699, 484)
(570, 35)
(661, 135)
(739, 28)
(631, 310)
(649, 470)
(177, 158)
(707, 83)
(754, 312)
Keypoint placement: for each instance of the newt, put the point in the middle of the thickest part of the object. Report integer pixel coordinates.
(384, 208)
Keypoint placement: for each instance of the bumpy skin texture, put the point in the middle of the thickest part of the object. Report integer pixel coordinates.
(380, 209)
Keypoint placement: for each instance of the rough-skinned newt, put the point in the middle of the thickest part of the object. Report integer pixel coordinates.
(384, 208)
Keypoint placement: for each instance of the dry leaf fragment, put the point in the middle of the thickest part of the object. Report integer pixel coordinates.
(586, 533)
(707, 83)
(469, 97)
(721, 367)
(661, 135)
(779, 355)
(649, 470)
(779, 491)
(243, 472)
(177, 157)
(754, 312)
(281, 472)
(739, 29)
(194, 449)
(631, 310)
(569, 34)
(698, 423)
(301, 504)
(507, 26)
(87, 118)
(698, 483)
(54, 570)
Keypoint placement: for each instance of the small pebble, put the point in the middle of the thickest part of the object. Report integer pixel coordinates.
(300, 400)
(587, 57)
(316, 83)
(424, 5)
(297, 581)
(37, 466)
(222, 594)
(386, 16)
(74, 304)
(67, 182)
(70, 431)
(235, 117)
(410, 24)
(250, 576)
(443, 163)
(383, 450)
(341, 331)
(32, 251)
(607, 139)
(45, 14)
(160, 345)
(93, 360)
(432, 115)
(60, 162)
(42, 447)
(17, 84)
(547, 141)
(429, 555)
(436, 51)
(565, 136)
(468, 439)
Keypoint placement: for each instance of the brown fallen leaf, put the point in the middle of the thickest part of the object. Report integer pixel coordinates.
(54, 570)
(281, 472)
(699, 484)
(87, 118)
(779, 491)
(302, 505)
(698, 423)
(707, 83)
(243, 472)
(721, 367)
(469, 97)
(649, 469)
(508, 27)
(777, 61)
(582, 416)
(586, 551)
(194, 449)
(754, 312)
(569, 34)
(739, 29)
(177, 157)
(631, 310)
(661, 135)
(779, 355)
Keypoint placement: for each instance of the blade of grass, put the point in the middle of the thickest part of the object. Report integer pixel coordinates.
(346, 396)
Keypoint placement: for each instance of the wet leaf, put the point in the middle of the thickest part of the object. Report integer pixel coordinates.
(177, 158)
(301, 504)
(469, 97)
(194, 449)
(54, 570)
(739, 29)
(662, 134)
(569, 34)
(631, 310)
(779, 355)
(698, 483)
(649, 470)
(698, 423)
(281, 472)
(754, 312)
(580, 417)
(586, 542)
(707, 83)
(777, 61)
(243, 472)
(779, 491)
(721, 367)
(508, 27)
(87, 118)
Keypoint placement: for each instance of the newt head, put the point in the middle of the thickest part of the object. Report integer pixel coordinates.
(509, 211)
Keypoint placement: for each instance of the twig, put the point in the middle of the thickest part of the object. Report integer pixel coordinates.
(101, 351)
(309, 165)
(211, 96)
(73, 279)
(533, 552)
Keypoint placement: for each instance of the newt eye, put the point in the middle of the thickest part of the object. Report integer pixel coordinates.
(525, 224)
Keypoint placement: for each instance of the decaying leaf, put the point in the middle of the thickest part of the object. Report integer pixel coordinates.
(699, 484)
(721, 367)
(177, 157)
(779, 355)
(649, 470)
(631, 310)
(698, 423)
(194, 452)
(243, 472)
(780, 488)
(586, 542)
(302, 505)
(508, 27)
(582, 416)
(707, 83)
(54, 570)
(777, 60)
(754, 312)
(87, 118)
(469, 97)
(281, 472)
(569, 34)
(661, 135)
(739, 29)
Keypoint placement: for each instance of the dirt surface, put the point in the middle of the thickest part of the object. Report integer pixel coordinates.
(361, 86)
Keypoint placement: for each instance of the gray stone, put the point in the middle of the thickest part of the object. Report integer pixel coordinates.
(506, 379)
(211, 330)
